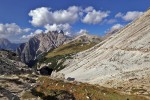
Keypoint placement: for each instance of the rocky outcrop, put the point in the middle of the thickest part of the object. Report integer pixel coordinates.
(56, 75)
(86, 38)
(14, 87)
(6, 44)
(121, 57)
(10, 64)
(39, 44)
(108, 34)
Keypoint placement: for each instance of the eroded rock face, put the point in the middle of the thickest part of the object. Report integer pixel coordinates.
(120, 57)
(14, 87)
(10, 64)
(57, 75)
(40, 44)
(86, 38)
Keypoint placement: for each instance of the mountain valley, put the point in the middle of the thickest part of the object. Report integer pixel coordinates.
(54, 66)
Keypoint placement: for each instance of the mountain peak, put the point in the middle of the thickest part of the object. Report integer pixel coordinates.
(4, 40)
(40, 44)
(6, 44)
(61, 31)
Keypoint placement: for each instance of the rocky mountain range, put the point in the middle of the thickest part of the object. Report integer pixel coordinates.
(122, 60)
(39, 44)
(6, 44)
(45, 42)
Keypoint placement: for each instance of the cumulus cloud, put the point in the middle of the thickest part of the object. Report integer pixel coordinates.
(43, 16)
(64, 27)
(53, 20)
(111, 21)
(94, 17)
(55, 27)
(130, 15)
(38, 31)
(82, 31)
(12, 29)
(118, 15)
(115, 27)
(88, 9)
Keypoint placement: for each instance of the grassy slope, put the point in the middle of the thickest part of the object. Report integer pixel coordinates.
(81, 91)
(57, 56)
(70, 48)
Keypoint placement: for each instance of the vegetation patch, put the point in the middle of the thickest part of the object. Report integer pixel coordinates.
(80, 91)
(70, 48)
(28, 95)
(58, 56)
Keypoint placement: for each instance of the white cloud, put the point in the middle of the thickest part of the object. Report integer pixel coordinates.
(11, 30)
(130, 15)
(82, 31)
(43, 16)
(40, 16)
(118, 15)
(111, 21)
(55, 27)
(38, 31)
(27, 30)
(68, 33)
(94, 17)
(88, 9)
(115, 27)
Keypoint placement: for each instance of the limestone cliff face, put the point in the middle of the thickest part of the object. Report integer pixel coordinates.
(122, 56)
(39, 44)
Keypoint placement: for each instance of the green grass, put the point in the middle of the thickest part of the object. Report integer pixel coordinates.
(70, 48)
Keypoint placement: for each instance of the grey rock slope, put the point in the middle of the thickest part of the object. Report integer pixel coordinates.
(121, 57)
(85, 38)
(6, 44)
(10, 63)
(39, 44)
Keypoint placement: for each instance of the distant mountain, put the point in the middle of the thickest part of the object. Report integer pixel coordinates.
(6, 44)
(109, 34)
(39, 44)
(86, 38)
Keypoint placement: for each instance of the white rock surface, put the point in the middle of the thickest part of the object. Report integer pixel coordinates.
(122, 56)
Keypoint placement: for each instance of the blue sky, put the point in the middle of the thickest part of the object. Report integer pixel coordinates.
(22, 19)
